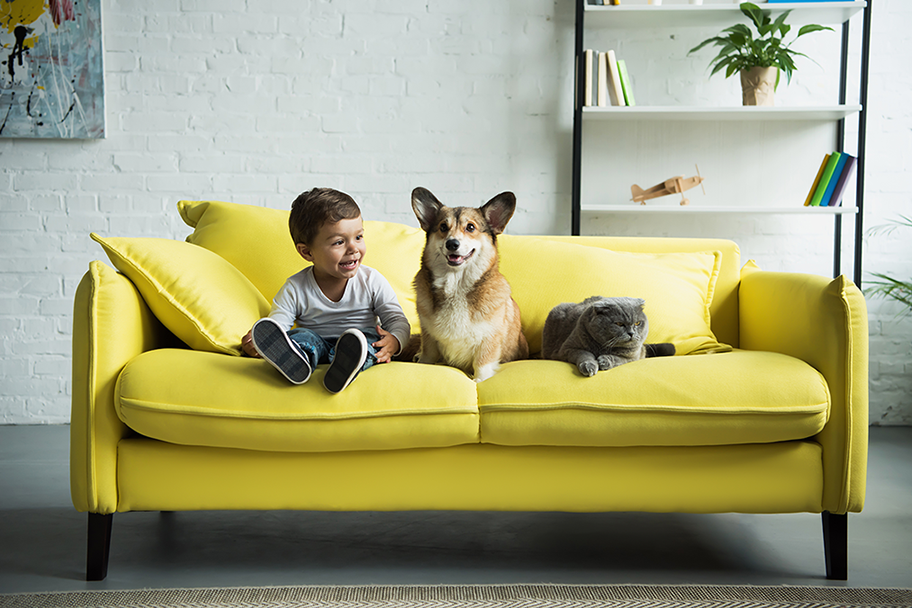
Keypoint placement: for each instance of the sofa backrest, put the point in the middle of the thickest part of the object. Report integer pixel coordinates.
(724, 304)
(671, 274)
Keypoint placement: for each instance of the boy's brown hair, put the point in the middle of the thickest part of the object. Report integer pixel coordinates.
(316, 207)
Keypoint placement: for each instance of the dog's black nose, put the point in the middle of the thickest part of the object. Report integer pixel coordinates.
(452, 244)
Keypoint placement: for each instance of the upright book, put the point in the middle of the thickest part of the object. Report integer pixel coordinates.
(625, 83)
(603, 80)
(615, 92)
(810, 196)
(825, 179)
(589, 77)
(831, 185)
(847, 170)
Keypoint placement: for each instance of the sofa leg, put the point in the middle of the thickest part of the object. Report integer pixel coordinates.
(99, 546)
(836, 545)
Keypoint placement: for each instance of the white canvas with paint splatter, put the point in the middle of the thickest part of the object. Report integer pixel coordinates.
(52, 74)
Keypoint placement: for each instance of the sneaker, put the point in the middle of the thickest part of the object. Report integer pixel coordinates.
(351, 351)
(274, 345)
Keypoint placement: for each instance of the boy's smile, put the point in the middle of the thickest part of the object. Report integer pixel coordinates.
(336, 253)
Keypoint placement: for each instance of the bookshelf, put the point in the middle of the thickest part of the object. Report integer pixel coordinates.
(627, 20)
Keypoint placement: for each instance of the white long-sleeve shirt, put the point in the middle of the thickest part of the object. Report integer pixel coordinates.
(367, 295)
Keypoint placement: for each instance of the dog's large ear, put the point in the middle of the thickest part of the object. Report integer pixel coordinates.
(499, 210)
(426, 206)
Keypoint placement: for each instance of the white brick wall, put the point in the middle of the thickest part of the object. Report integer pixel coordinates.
(253, 101)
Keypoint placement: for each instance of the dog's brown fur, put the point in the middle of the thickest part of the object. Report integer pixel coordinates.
(468, 317)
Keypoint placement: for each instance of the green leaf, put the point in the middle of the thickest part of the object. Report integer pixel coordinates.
(807, 29)
(740, 29)
(728, 62)
(885, 229)
(753, 12)
(891, 288)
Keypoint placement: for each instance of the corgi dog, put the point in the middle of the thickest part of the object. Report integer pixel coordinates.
(468, 318)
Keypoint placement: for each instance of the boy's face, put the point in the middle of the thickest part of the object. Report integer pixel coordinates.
(337, 250)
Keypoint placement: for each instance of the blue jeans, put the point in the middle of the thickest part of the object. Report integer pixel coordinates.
(321, 350)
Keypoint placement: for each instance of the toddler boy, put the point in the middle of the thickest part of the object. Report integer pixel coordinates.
(327, 312)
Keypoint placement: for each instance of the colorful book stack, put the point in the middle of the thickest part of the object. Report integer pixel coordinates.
(607, 80)
(831, 181)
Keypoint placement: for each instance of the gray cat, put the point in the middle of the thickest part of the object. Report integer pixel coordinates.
(599, 333)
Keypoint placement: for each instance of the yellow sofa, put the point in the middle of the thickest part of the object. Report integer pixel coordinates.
(763, 409)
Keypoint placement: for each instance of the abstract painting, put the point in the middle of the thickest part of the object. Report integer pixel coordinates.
(51, 69)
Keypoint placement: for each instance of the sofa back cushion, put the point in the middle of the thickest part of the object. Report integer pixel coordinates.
(254, 239)
(677, 286)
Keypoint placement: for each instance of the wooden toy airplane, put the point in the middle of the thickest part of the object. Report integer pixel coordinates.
(672, 185)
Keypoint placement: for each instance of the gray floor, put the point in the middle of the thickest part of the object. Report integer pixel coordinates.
(42, 539)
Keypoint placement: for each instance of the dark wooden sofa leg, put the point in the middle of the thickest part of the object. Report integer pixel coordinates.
(836, 545)
(99, 546)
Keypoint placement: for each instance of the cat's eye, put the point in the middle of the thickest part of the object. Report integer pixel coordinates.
(637, 323)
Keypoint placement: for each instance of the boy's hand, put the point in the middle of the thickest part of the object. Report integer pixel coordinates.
(387, 345)
(247, 345)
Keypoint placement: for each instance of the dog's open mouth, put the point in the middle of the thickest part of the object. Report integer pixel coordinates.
(457, 260)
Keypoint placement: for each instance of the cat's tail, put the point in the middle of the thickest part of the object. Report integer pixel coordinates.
(665, 349)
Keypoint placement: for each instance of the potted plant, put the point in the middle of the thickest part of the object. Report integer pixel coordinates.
(885, 286)
(758, 60)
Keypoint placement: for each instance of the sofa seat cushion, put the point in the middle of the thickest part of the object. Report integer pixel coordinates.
(208, 399)
(721, 399)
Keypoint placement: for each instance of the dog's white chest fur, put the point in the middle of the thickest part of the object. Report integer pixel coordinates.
(457, 327)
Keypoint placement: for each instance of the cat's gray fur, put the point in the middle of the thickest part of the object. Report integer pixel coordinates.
(599, 333)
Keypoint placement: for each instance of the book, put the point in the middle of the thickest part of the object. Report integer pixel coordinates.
(825, 179)
(625, 83)
(603, 79)
(589, 76)
(615, 92)
(807, 201)
(831, 185)
(847, 170)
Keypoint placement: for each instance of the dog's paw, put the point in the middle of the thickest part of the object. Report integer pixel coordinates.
(485, 372)
(588, 368)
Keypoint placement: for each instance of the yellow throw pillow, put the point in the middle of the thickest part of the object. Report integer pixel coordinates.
(200, 297)
(678, 287)
(256, 240)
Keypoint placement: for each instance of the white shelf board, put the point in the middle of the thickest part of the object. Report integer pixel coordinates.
(627, 16)
(731, 113)
(732, 209)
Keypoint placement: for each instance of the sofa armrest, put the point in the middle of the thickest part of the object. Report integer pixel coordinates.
(111, 325)
(825, 323)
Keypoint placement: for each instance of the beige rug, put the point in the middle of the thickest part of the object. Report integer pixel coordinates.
(475, 596)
